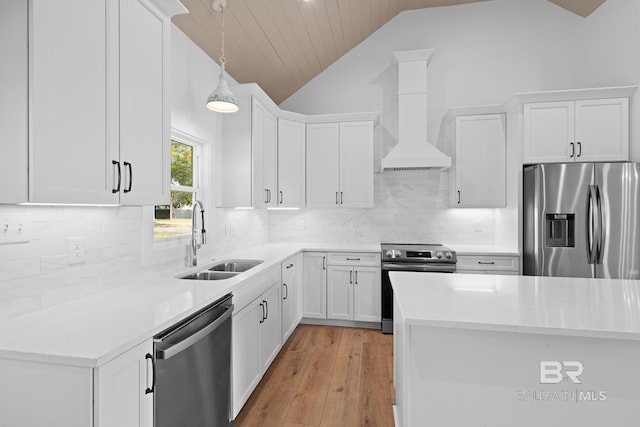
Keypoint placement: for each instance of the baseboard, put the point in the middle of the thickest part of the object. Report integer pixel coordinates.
(396, 421)
(346, 323)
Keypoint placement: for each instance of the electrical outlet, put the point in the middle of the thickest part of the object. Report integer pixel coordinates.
(75, 250)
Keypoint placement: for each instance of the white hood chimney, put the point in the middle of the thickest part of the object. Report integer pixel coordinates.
(413, 151)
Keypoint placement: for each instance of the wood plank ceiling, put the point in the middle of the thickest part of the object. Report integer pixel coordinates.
(282, 44)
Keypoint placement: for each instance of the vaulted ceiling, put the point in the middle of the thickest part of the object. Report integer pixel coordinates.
(282, 44)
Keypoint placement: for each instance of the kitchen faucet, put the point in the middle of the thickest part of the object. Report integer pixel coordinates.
(194, 232)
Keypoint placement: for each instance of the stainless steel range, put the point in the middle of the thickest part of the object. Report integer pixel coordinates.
(425, 258)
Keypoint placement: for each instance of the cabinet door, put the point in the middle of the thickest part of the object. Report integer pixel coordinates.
(71, 143)
(340, 281)
(270, 171)
(121, 389)
(356, 165)
(291, 164)
(289, 299)
(144, 108)
(548, 132)
(314, 285)
(323, 165)
(602, 130)
(14, 75)
(246, 366)
(367, 294)
(480, 166)
(264, 155)
(271, 329)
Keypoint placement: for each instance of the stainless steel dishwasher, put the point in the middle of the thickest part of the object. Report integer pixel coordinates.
(193, 369)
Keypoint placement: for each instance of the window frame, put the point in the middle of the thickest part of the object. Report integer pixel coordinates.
(165, 249)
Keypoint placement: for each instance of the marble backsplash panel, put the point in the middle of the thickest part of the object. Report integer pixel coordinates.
(409, 206)
(37, 274)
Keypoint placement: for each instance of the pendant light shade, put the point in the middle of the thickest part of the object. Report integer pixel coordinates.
(221, 99)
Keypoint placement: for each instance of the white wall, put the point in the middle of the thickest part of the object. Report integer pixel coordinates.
(485, 52)
(36, 275)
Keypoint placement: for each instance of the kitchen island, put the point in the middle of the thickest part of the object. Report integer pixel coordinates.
(483, 350)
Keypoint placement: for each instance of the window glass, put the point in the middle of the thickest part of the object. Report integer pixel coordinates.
(175, 219)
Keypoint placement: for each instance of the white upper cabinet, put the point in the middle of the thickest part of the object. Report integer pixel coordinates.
(576, 131)
(291, 164)
(144, 104)
(340, 165)
(479, 167)
(356, 164)
(73, 132)
(323, 165)
(264, 140)
(14, 110)
(99, 110)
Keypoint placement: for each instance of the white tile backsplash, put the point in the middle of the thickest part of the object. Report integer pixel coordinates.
(36, 274)
(409, 206)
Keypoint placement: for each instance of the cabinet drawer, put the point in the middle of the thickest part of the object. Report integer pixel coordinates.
(355, 258)
(488, 262)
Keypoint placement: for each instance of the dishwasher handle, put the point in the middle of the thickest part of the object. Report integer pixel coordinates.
(169, 352)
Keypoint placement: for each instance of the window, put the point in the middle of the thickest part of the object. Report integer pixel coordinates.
(174, 219)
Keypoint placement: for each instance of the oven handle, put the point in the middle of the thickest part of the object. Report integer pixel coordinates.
(169, 352)
(448, 268)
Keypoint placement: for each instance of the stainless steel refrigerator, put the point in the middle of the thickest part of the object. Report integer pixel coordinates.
(582, 220)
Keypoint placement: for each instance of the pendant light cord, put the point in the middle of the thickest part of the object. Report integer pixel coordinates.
(223, 60)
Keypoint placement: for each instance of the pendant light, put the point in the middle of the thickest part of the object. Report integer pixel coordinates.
(221, 99)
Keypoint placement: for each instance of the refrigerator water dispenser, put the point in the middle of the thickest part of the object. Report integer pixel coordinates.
(560, 230)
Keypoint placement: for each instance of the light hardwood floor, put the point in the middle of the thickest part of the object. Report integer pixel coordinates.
(326, 376)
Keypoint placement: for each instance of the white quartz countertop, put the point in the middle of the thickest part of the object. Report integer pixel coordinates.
(92, 330)
(599, 308)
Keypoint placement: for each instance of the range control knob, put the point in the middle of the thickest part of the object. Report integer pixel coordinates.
(392, 253)
(439, 254)
(448, 254)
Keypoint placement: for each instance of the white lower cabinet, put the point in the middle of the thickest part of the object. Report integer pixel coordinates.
(256, 340)
(123, 389)
(113, 395)
(289, 295)
(314, 285)
(353, 293)
(488, 264)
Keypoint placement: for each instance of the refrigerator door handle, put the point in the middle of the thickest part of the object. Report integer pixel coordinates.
(600, 237)
(591, 223)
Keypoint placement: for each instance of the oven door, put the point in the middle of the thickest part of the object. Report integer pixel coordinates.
(387, 291)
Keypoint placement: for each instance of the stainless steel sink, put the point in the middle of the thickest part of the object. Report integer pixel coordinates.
(210, 275)
(224, 269)
(235, 265)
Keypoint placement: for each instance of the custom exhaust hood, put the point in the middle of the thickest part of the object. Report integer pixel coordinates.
(413, 151)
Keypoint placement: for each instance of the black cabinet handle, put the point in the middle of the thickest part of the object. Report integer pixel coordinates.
(266, 304)
(458, 196)
(573, 149)
(324, 262)
(341, 202)
(281, 197)
(337, 202)
(130, 167)
(286, 291)
(579, 149)
(351, 277)
(487, 262)
(153, 374)
(356, 277)
(262, 320)
(117, 189)
(353, 259)
(289, 266)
